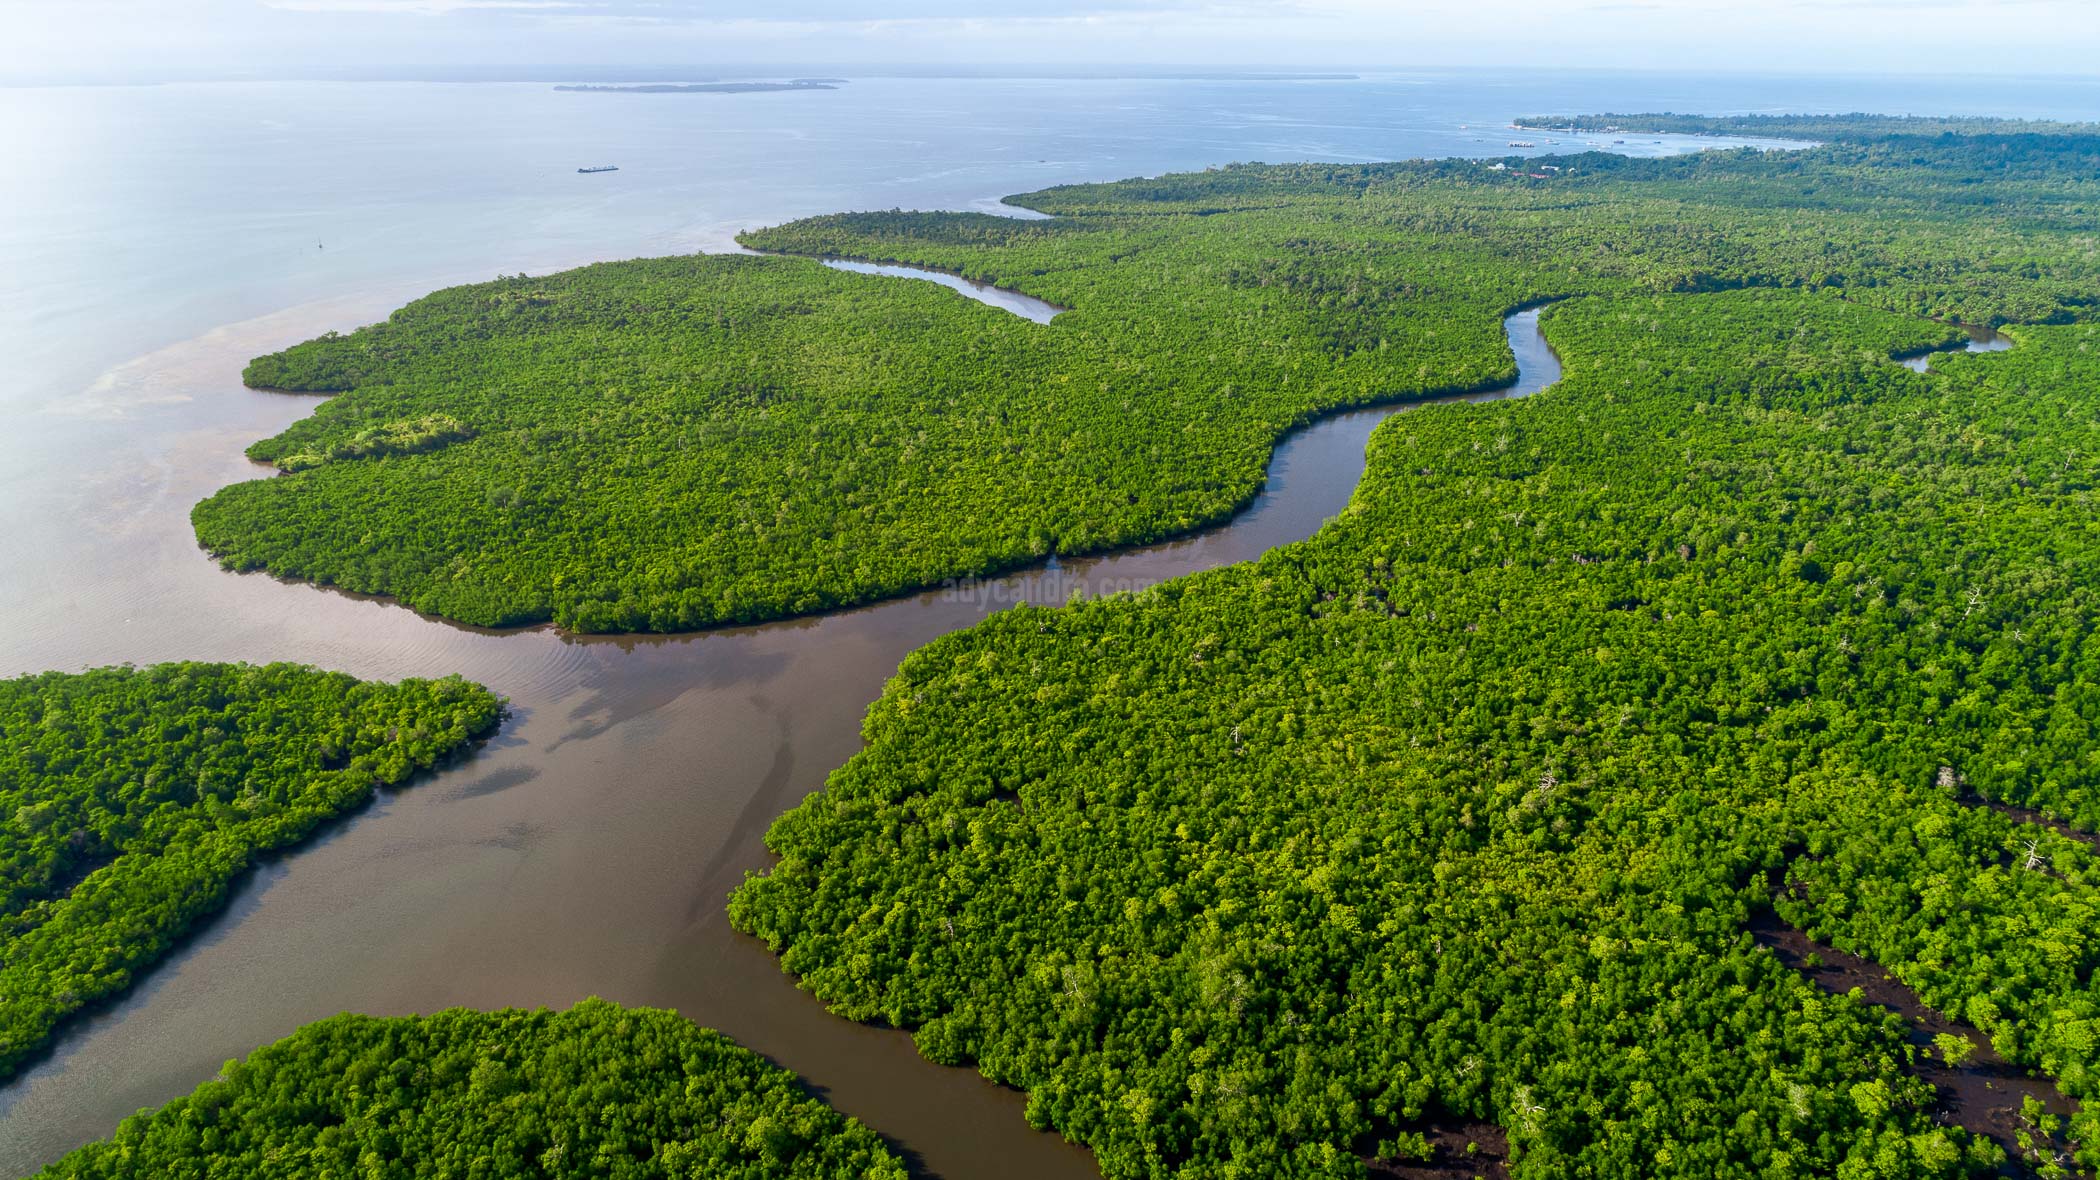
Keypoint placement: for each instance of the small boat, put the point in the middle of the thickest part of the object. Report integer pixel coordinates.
(601, 168)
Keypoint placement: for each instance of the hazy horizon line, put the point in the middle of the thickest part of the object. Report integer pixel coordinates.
(1164, 71)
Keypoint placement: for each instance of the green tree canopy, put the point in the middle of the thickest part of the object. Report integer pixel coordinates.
(131, 799)
(598, 1090)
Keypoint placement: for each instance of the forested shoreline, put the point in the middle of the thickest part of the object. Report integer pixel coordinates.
(1467, 807)
(134, 799)
(1854, 126)
(597, 1090)
(1469, 810)
(679, 443)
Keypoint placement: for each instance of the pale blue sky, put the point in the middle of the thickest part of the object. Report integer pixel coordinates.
(120, 38)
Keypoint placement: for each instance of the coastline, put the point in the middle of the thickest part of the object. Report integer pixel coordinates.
(1132, 546)
(654, 758)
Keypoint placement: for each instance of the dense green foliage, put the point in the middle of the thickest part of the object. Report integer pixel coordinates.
(131, 799)
(1459, 809)
(1462, 807)
(407, 437)
(598, 1091)
(674, 443)
(681, 442)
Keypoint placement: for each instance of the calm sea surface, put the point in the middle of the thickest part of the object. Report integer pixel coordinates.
(154, 238)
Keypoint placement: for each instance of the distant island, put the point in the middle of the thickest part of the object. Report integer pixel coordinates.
(1855, 126)
(715, 87)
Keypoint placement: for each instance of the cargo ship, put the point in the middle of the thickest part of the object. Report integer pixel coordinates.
(601, 168)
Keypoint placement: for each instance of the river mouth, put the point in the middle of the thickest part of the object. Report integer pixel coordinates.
(589, 848)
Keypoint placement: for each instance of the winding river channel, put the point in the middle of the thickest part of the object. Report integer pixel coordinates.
(588, 849)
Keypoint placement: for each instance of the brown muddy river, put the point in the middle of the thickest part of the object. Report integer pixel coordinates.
(588, 849)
